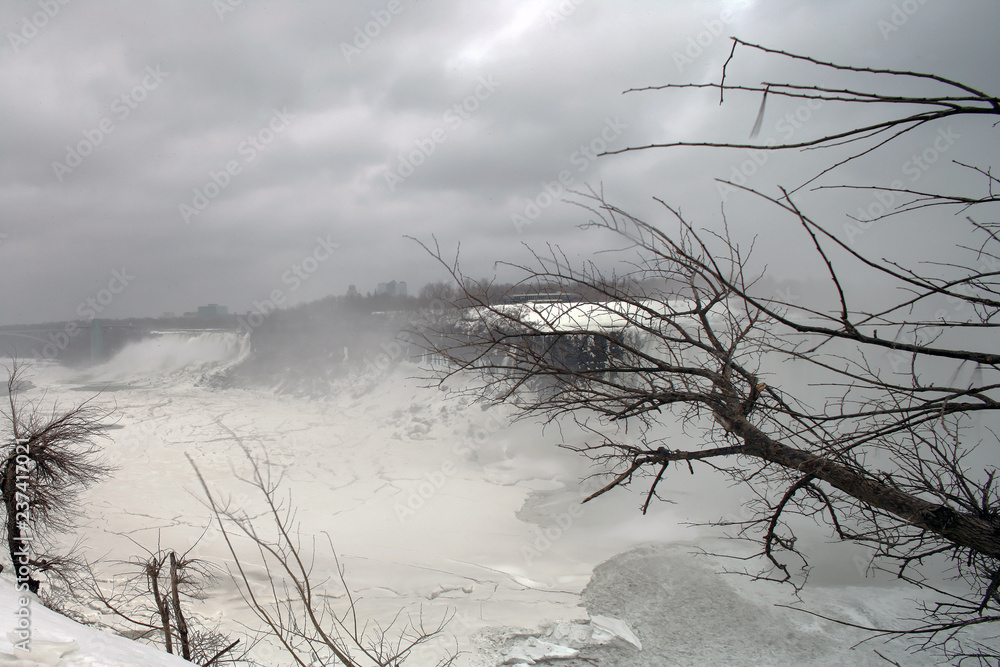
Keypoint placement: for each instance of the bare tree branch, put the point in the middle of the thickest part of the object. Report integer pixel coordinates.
(678, 331)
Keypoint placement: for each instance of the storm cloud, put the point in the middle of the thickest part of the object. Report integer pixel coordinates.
(213, 150)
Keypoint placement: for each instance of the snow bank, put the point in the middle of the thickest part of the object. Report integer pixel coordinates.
(58, 640)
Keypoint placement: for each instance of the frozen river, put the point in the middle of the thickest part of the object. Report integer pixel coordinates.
(434, 505)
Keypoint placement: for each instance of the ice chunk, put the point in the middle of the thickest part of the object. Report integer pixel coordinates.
(532, 650)
(607, 630)
(574, 635)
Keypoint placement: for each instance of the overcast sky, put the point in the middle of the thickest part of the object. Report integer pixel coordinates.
(157, 156)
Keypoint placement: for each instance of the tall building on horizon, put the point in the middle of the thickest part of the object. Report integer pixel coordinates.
(391, 288)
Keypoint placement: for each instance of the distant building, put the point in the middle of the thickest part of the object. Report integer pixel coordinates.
(352, 292)
(391, 288)
(212, 310)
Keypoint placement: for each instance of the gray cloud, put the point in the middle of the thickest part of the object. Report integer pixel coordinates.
(358, 105)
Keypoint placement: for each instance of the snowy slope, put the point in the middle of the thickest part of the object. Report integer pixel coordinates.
(57, 640)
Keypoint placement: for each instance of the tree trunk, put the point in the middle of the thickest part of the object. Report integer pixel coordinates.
(958, 528)
(10, 507)
(16, 542)
(162, 605)
(182, 629)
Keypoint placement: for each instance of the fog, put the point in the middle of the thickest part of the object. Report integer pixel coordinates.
(217, 223)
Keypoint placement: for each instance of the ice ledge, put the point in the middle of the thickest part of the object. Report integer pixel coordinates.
(564, 640)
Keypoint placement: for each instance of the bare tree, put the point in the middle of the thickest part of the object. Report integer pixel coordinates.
(49, 459)
(896, 452)
(147, 601)
(441, 291)
(294, 603)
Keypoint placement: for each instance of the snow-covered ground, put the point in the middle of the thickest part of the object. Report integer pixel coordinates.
(436, 506)
(58, 640)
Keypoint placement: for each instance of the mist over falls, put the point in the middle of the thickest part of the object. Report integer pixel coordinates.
(302, 350)
(436, 504)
